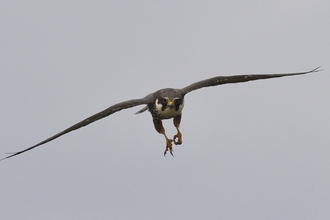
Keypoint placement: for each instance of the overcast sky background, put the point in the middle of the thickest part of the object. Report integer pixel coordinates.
(256, 150)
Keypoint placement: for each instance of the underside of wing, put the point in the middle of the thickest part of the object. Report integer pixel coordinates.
(112, 109)
(219, 80)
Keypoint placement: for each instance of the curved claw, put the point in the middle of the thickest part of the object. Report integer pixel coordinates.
(171, 151)
(168, 147)
(179, 137)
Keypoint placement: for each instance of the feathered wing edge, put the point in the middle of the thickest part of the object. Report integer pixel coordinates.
(219, 80)
(112, 109)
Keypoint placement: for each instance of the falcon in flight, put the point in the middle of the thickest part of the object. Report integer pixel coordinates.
(164, 104)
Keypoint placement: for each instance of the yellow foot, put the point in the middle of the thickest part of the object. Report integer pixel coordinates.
(179, 137)
(168, 147)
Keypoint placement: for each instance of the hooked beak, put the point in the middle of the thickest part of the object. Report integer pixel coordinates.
(170, 104)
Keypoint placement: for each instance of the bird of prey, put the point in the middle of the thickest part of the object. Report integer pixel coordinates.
(164, 104)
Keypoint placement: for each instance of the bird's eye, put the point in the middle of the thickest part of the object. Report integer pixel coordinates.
(177, 101)
(165, 101)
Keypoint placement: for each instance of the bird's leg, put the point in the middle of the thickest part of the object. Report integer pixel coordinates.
(160, 129)
(168, 146)
(177, 139)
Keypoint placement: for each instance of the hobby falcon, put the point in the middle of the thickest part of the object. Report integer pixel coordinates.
(164, 104)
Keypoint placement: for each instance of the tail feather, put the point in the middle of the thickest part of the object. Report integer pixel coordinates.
(142, 110)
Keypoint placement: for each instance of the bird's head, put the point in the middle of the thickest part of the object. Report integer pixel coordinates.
(169, 103)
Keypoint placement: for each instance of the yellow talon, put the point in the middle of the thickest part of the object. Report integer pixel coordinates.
(179, 137)
(168, 146)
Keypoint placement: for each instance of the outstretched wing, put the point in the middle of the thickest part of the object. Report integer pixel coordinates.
(219, 80)
(91, 119)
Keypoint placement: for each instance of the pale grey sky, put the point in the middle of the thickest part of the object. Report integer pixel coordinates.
(258, 150)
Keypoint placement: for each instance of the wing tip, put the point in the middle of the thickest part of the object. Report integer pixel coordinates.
(13, 154)
(317, 69)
